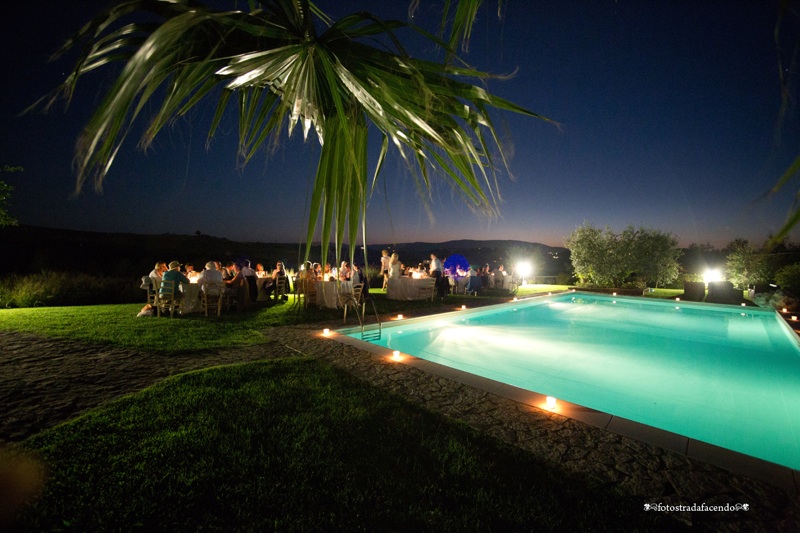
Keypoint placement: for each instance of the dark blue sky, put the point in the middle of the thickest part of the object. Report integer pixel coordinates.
(669, 112)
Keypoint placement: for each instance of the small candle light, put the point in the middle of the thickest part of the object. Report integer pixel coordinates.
(744, 304)
(785, 310)
(396, 355)
(399, 317)
(515, 298)
(613, 294)
(463, 307)
(326, 332)
(550, 402)
(794, 317)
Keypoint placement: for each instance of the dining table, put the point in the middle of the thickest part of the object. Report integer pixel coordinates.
(260, 283)
(405, 288)
(191, 298)
(328, 292)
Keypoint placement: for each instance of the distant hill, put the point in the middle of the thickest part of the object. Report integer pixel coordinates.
(32, 249)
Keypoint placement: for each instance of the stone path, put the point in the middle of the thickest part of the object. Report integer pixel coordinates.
(44, 382)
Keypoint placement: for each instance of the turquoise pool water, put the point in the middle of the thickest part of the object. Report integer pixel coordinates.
(729, 376)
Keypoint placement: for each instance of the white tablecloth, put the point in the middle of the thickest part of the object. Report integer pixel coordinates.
(404, 288)
(260, 282)
(191, 298)
(328, 292)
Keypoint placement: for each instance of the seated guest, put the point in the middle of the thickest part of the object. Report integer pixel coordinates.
(209, 275)
(278, 276)
(237, 287)
(156, 274)
(344, 272)
(235, 276)
(307, 282)
(250, 275)
(318, 271)
(357, 275)
(174, 274)
(228, 273)
(260, 272)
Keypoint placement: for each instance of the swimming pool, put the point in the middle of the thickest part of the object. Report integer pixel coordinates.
(729, 376)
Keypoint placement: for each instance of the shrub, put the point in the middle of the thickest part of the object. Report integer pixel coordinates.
(564, 278)
(60, 288)
(788, 277)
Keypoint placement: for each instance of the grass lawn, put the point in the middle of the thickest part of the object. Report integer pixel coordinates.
(295, 444)
(119, 325)
(288, 444)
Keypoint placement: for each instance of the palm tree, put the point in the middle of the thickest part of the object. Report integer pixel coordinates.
(278, 71)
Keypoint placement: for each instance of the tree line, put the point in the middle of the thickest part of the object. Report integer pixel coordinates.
(646, 257)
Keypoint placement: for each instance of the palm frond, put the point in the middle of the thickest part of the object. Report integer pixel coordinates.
(178, 53)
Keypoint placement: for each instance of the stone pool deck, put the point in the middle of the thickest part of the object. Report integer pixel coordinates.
(44, 382)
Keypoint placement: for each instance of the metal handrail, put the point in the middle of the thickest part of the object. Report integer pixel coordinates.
(370, 335)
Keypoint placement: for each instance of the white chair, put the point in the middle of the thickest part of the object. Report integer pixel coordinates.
(168, 298)
(427, 290)
(352, 299)
(213, 294)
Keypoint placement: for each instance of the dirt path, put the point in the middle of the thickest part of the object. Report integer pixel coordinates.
(45, 381)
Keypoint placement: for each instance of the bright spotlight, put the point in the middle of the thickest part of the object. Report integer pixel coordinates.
(712, 274)
(524, 270)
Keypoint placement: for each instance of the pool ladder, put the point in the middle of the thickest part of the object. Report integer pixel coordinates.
(372, 334)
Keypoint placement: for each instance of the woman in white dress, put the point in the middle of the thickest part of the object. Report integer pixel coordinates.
(394, 266)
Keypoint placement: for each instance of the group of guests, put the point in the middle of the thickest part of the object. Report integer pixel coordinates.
(345, 272)
(391, 268)
(238, 279)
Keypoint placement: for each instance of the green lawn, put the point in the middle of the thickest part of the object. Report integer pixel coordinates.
(119, 325)
(290, 444)
(295, 444)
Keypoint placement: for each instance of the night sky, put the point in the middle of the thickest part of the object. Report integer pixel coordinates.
(668, 112)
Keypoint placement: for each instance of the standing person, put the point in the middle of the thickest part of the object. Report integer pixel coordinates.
(437, 272)
(385, 266)
(394, 266)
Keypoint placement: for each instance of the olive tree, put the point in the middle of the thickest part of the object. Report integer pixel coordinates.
(609, 259)
(744, 264)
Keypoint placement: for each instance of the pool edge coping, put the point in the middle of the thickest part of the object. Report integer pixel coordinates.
(780, 476)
